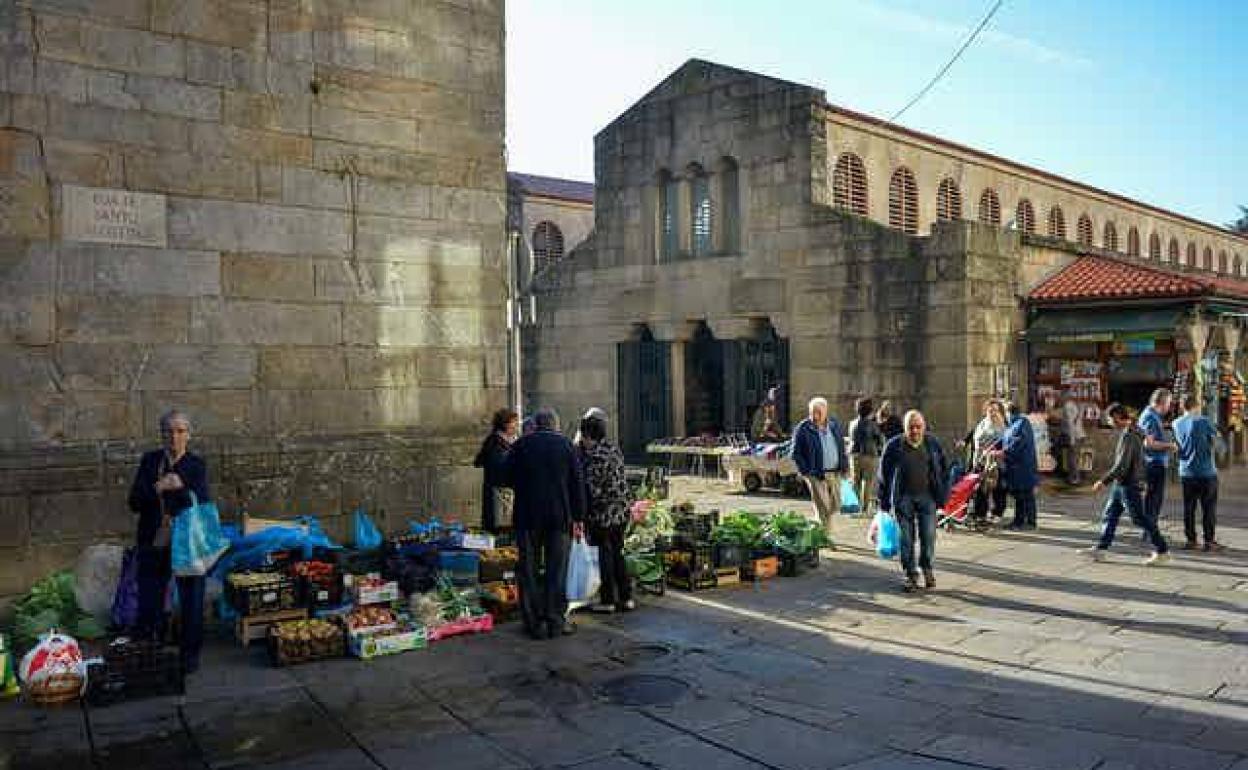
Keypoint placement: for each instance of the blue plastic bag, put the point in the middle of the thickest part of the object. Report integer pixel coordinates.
(367, 536)
(197, 541)
(125, 612)
(849, 498)
(583, 574)
(886, 535)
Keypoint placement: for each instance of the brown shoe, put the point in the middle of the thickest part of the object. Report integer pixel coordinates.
(929, 579)
(1213, 546)
(1190, 545)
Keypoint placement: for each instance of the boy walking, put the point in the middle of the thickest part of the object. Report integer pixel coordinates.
(1127, 476)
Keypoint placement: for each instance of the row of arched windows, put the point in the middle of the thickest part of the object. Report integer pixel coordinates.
(707, 220)
(849, 192)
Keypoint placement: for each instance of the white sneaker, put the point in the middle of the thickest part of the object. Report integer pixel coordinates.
(1157, 560)
(1094, 553)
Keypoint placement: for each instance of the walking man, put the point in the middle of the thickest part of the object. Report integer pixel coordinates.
(865, 441)
(913, 484)
(819, 453)
(1195, 435)
(1127, 477)
(549, 485)
(1156, 451)
(1020, 472)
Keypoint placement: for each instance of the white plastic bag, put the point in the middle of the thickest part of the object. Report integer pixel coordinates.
(95, 580)
(583, 575)
(53, 666)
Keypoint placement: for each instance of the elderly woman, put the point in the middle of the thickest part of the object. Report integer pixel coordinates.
(496, 497)
(163, 488)
(609, 500)
(986, 437)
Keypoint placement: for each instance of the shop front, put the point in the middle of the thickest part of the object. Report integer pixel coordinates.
(1101, 331)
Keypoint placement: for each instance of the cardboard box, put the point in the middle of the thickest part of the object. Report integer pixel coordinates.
(475, 541)
(383, 594)
(367, 646)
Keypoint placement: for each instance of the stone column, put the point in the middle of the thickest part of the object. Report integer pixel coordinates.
(677, 349)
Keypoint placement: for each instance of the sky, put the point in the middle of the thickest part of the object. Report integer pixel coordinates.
(1138, 97)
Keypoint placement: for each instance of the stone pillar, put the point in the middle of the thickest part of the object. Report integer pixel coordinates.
(677, 349)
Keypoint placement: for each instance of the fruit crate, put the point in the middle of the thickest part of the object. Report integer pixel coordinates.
(257, 593)
(302, 641)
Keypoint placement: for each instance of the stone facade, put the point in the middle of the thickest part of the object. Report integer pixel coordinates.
(315, 273)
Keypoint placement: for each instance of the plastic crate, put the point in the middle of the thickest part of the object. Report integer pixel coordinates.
(730, 556)
(462, 568)
(131, 669)
(498, 564)
(277, 592)
(318, 595)
(692, 569)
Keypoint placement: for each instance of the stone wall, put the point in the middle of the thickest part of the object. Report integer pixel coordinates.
(574, 220)
(314, 271)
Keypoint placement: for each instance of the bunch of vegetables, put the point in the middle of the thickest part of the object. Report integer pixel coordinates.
(456, 603)
(51, 604)
(650, 521)
(792, 533)
(744, 529)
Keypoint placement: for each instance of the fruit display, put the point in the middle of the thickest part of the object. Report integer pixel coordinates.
(302, 640)
(372, 589)
(370, 618)
(319, 584)
(257, 592)
(499, 564)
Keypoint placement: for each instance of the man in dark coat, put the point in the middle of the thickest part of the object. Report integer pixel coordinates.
(912, 483)
(820, 456)
(1020, 472)
(549, 489)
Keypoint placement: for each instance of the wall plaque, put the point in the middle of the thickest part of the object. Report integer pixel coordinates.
(103, 215)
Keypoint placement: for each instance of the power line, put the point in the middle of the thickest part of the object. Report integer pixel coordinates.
(966, 44)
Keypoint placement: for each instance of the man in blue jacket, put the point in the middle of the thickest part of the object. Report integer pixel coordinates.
(1020, 472)
(820, 456)
(913, 483)
(1196, 436)
(1156, 450)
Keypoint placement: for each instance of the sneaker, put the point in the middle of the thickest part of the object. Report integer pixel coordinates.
(1191, 545)
(1157, 559)
(911, 585)
(1095, 553)
(929, 579)
(628, 606)
(1213, 546)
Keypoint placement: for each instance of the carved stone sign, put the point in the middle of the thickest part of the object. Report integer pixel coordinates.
(102, 215)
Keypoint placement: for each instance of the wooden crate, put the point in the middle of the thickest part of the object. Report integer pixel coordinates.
(249, 629)
(727, 576)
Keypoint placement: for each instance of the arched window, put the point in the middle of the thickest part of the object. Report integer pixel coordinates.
(1206, 259)
(669, 217)
(990, 207)
(1133, 242)
(1025, 217)
(1083, 230)
(1057, 223)
(547, 245)
(849, 184)
(1154, 247)
(903, 201)
(948, 201)
(1221, 261)
(1172, 251)
(700, 225)
(729, 205)
(1110, 239)
(1191, 254)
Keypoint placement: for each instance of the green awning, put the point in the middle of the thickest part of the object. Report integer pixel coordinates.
(1103, 325)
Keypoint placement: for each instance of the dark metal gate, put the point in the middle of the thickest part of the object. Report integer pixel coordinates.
(645, 389)
(704, 383)
(751, 368)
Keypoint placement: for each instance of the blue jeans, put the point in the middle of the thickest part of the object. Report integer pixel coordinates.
(1124, 498)
(1155, 478)
(920, 513)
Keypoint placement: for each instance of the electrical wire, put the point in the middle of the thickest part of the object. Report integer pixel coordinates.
(957, 55)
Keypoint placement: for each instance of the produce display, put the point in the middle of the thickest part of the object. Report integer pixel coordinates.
(258, 592)
(372, 589)
(388, 642)
(370, 618)
(302, 640)
(51, 604)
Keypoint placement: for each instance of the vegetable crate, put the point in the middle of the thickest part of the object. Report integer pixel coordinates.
(301, 641)
(256, 593)
(761, 568)
(792, 565)
(695, 527)
(692, 569)
(319, 583)
(475, 624)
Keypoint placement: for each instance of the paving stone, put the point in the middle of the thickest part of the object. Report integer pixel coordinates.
(786, 744)
(990, 751)
(283, 726)
(691, 752)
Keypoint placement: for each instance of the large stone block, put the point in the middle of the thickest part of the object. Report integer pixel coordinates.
(244, 70)
(175, 97)
(27, 368)
(416, 327)
(212, 412)
(30, 418)
(85, 42)
(84, 163)
(27, 320)
(131, 367)
(316, 189)
(78, 517)
(358, 128)
(403, 240)
(303, 368)
(138, 271)
(406, 284)
(27, 268)
(183, 174)
(15, 521)
(236, 23)
(370, 92)
(127, 13)
(246, 322)
(130, 319)
(268, 112)
(25, 208)
(239, 227)
(104, 124)
(250, 144)
(382, 367)
(259, 276)
(488, 173)
(93, 416)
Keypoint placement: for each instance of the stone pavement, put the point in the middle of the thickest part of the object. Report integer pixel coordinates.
(1027, 656)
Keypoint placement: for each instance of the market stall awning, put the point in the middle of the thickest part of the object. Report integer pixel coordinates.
(1100, 279)
(1102, 325)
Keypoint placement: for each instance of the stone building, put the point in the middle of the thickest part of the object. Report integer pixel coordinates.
(548, 217)
(286, 217)
(748, 233)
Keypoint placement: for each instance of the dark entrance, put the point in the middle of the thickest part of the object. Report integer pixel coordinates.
(704, 383)
(644, 392)
(752, 366)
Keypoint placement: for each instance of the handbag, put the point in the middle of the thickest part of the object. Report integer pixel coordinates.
(197, 540)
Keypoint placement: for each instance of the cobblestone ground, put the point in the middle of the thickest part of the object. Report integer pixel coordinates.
(1026, 656)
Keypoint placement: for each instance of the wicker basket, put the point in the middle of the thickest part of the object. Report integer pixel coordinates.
(55, 689)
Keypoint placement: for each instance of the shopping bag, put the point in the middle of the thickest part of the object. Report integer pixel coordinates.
(367, 536)
(125, 613)
(884, 535)
(849, 498)
(583, 575)
(197, 541)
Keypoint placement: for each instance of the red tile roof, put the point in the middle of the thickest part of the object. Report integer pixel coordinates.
(1099, 278)
(550, 187)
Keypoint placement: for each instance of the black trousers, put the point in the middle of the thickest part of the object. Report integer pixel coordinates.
(1205, 493)
(1024, 507)
(544, 601)
(154, 573)
(617, 587)
(979, 507)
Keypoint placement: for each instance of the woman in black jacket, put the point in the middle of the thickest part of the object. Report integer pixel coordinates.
(162, 489)
(495, 495)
